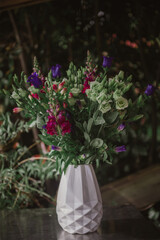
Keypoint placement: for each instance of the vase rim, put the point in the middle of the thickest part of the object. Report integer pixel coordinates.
(80, 165)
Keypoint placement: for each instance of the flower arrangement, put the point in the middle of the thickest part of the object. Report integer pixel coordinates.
(82, 115)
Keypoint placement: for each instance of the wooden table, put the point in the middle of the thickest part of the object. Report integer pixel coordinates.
(119, 223)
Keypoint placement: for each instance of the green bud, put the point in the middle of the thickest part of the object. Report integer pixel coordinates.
(79, 74)
(117, 94)
(127, 87)
(139, 100)
(71, 101)
(105, 106)
(68, 73)
(22, 92)
(96, 143)
(129, 79)
(75, 91)
(121, 75)
(72, 78)
(111, 82)
(74, 68)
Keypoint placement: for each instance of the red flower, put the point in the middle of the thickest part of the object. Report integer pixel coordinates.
(55, 88)
(70, 95)
(35, 95)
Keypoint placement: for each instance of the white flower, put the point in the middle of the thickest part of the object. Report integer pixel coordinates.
(75, 91)
(121, 103)
(105, 106)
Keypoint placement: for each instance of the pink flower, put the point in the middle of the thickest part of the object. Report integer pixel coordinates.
(64, 90)
(17, 109)
(64, 104)
(60, 86)
(134, 45)
(128, 43)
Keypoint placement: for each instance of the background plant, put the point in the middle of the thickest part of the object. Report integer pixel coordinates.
(22, 175)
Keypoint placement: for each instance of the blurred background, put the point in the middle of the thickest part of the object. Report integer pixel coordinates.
(60, 32)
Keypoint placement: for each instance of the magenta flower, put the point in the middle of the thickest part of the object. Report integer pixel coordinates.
(56, 71)
(107, 61)
(51, 125)
(66, 127)
(149, 90)
(85, 86)
(35, 80)
(120, 149)
(17, 109)
(121, 127)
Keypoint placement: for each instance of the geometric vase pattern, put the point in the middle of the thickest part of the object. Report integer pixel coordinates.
(79, 202)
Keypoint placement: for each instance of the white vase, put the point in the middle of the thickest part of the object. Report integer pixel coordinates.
(79, 202)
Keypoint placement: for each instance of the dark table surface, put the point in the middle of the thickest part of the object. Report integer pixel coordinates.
(120, 223)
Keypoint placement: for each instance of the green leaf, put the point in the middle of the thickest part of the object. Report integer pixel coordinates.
(90, 122)
(87, 137)
(137, 117)
(40, 122)
(95, 115)
(105, 156)
(85, 126)
(97, 163)
(45, 140)
(79, 125)
(99, 121)
(112, 117)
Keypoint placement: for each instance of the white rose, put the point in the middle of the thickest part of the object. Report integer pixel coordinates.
(121, 103)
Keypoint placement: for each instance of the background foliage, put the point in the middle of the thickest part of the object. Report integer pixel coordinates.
(126, 30)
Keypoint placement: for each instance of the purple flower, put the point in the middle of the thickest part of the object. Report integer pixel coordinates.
(35, 80)
(56, 71)
(120, 149)
(149, 90)
(44, 126)
(121, 127)
(107, 61)
(56, 148)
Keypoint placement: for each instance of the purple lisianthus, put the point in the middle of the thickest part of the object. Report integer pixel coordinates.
(56, 71)
(120, 149)
(35, 80)
(121, 127)
(44, 126)
(149, 90)
(56, 148)
(107, 61)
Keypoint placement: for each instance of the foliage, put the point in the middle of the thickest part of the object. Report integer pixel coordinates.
(22, 175)
(82, 115)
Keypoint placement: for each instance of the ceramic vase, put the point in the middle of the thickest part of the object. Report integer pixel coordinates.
(79, 202)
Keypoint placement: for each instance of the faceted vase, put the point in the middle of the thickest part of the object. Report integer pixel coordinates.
(79, 202)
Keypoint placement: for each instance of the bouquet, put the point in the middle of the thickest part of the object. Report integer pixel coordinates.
(80, 115)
